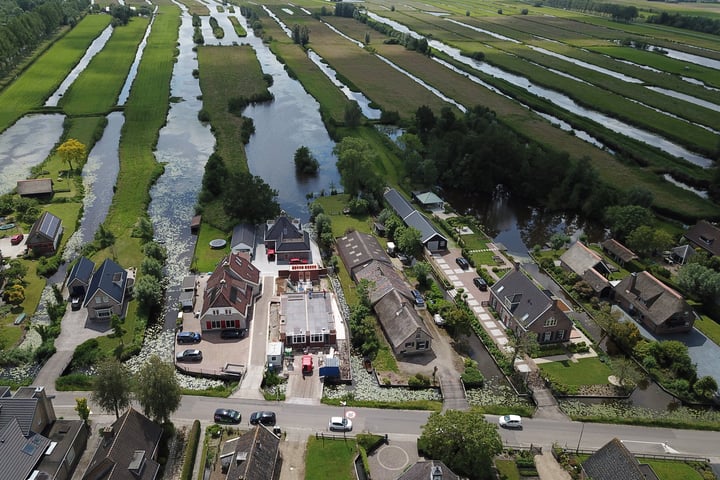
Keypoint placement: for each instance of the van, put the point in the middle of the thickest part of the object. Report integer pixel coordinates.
(480, 283)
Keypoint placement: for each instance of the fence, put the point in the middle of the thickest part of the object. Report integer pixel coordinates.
(640, 456)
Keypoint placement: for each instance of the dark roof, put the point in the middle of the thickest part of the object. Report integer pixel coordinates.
(521, 297)
(132, 440)
(231, 284)
(595, 280)
(683, 252)
(651, 297)
(411, 217)
(64, 433)
(706, 236)
(619, 250)
(37, 186)
(383, 278)
(48, 226)
(27, 404)
(243, 235)
(427, 198)
(357, 249)
(110, 278)
(398, 319)
(19, 453)
(288, 235)
(255, 456)
(82, 271)
(398, 203)
(613, 462)
(423, 469)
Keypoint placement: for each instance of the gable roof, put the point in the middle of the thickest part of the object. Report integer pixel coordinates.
(288, 235)
(255, 456)
(521, 297)
(383, 278)
(36, 186)
(48, 226)
(243, 236)
(423, 469)
(683, 252)
(26, 406)
(81, 271)
(357, 249)
(231, 284)
(706, 236)
(398, 318)
(128, 451)
(619, 250)
(652, 297)
(613, 462)
(110, 278)
(398, 203)
(20, 453)
(579, 258)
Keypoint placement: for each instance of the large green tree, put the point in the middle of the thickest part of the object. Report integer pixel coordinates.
(356, 166)
(247, 198)
(158, 390)
(112, 386)
(624, 219)
(464, 441)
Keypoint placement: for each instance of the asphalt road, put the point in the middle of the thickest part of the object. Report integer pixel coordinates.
(299, 419)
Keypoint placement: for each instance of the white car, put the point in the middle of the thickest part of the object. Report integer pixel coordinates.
(340, 424)
(510, 421)
(439, 320)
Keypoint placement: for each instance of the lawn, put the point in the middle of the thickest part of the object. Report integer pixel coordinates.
(205, 259)
(333, 205)
(667, 470)
(587, 371)
(238, 28)
(709, 327)
(507, 469)
(37, 82)
(330, 459)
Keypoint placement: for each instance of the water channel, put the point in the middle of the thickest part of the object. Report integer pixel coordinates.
(125, 92)
(558, 99)
(26, 144)
(92, 50)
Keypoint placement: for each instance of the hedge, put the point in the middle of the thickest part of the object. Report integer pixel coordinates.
(190, 451)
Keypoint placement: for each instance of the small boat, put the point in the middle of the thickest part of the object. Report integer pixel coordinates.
(7, 226)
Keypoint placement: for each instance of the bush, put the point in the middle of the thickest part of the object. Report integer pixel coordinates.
(190, 450)
(418, 381)
(472, 377)
(86, 354)
(74, 381)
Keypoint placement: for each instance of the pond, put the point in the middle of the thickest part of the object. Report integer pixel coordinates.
(26, 144)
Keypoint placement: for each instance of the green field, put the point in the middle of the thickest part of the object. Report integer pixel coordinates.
(586, 371)
(96, 90)
(330, 459)
(36, 84)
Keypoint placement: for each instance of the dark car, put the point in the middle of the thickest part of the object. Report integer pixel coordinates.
(190, 355)
(188, 337)
(480, 283)
(462, 263)
(227, 415)
(231, 333)
(266, 418)
(75, 303)
(419, 300)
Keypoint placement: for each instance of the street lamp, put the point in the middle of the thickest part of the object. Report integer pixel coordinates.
(582, 429)
(344, 404)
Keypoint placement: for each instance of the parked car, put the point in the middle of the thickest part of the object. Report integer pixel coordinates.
(480, 283)
(190, 355)
(16, 239)
(462, 263)
(419, 300)
(266, 418)
(227, 415)
(188, 337)
(340, 424)
(439, 320)
(510, 421)
(75, 303)
(231, 333)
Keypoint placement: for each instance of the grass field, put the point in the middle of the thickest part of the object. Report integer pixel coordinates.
(96, 90)
(667, 470)
(37, 83)
(205, 259)
(195, 7)
(238, 28)
(587, 371)
(223, 70)
(330, 459)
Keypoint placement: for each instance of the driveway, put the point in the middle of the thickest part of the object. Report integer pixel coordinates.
(9, 250)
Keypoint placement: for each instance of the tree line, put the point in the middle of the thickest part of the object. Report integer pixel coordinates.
(23, 25)
(687, 22)
(619, 13)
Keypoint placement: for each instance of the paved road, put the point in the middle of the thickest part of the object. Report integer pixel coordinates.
(404, 425)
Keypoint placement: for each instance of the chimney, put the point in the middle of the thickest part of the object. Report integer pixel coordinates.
(436, 473)
(108, 433)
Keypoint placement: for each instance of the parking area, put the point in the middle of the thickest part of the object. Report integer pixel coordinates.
(7, 248)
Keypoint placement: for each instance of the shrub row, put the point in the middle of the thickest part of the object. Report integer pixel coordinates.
(190, 451)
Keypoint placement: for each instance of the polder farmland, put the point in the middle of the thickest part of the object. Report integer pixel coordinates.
(570, 81)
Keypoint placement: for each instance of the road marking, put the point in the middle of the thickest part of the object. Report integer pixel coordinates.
(350, 414)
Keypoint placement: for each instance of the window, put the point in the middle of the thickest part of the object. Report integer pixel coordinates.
(560, 334)
(547, 336)
(422, 345)
(550, 322)
(216, 324)
(298, 339)
(317, 338)
(417, 335)
(409, 344)
(104, 313)
(228, 311)
(215, 312)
